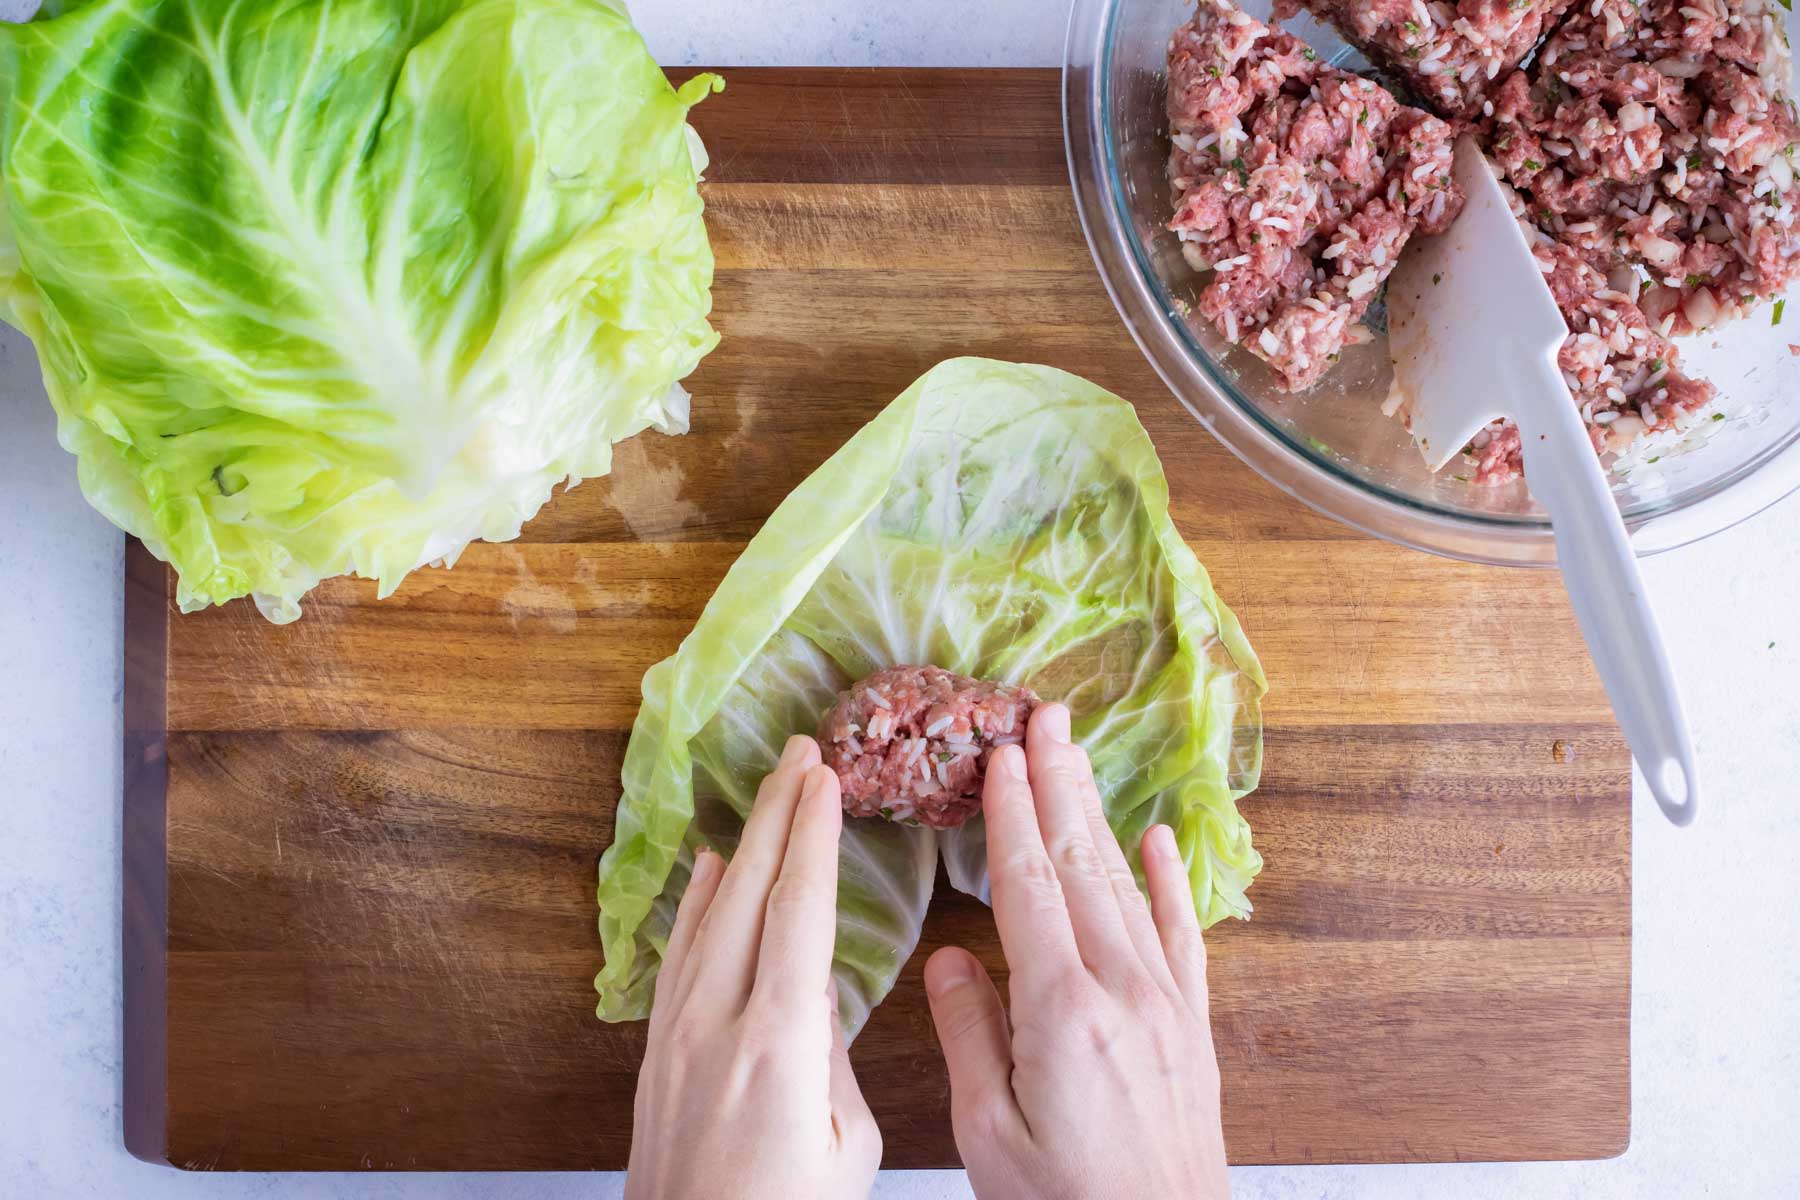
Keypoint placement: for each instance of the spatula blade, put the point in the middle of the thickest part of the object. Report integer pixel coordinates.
(1463, 306)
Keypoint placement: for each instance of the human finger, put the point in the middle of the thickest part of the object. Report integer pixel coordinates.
(1172, 905)
(1139, 922)
(731, 932)
(1132, 905)
(972, 1029)
(1029, 910)
(702, 886)
(1062, 787)
(800, 918)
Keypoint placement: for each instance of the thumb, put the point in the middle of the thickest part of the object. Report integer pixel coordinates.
(971, 1027)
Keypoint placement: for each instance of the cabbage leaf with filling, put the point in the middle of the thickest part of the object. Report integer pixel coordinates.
(1002, 521)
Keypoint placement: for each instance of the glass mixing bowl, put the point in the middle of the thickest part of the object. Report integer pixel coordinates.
(1331, 447)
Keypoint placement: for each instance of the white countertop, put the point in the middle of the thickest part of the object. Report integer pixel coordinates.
(1716, 987)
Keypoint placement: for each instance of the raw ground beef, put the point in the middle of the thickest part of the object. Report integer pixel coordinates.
(1448, 54)
(1624, 374)
(1658, 140)
(911, 743)
(1297, 184)
(1652, 145)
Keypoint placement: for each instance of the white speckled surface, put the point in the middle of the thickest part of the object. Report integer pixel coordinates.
(1716, 996)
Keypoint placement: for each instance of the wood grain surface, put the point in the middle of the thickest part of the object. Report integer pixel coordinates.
(360, 849)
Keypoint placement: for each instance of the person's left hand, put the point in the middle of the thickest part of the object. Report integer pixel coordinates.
(746, 1088)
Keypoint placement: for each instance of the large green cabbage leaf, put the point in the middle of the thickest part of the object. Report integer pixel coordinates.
(339, 285)
(1008, 522)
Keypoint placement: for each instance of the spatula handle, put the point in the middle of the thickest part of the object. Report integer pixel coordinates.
(1607, 592)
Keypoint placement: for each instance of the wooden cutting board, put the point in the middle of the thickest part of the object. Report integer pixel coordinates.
(360, 849)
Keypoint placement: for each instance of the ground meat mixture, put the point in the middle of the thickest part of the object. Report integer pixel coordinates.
(1297, 184)
(912, 743)
(1652, 144)
(1448, 54)
(1658, 140)
(1624, 374)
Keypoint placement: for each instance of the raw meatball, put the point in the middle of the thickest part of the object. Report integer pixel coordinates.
(912, 743)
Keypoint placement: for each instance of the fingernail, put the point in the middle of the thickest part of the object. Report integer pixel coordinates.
(947, 973)
(1054, 720)
(1162, 841)
(704, 862)
(813, 781)
(1012, 761)
(796, 746)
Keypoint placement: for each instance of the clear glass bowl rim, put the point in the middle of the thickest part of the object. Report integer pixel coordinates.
(1145, 307)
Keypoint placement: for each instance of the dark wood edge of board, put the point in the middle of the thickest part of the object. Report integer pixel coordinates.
(1013, 136)
(831, 77)
(144, 927)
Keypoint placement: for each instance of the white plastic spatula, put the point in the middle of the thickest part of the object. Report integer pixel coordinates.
(1474, 334)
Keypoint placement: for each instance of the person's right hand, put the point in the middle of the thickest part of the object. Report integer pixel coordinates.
(1105, 1083)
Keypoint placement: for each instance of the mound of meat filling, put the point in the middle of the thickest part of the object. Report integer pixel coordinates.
(911, 743)
(1625, 376)
(1296, 184)
(1657, 139)
(1449, 54)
